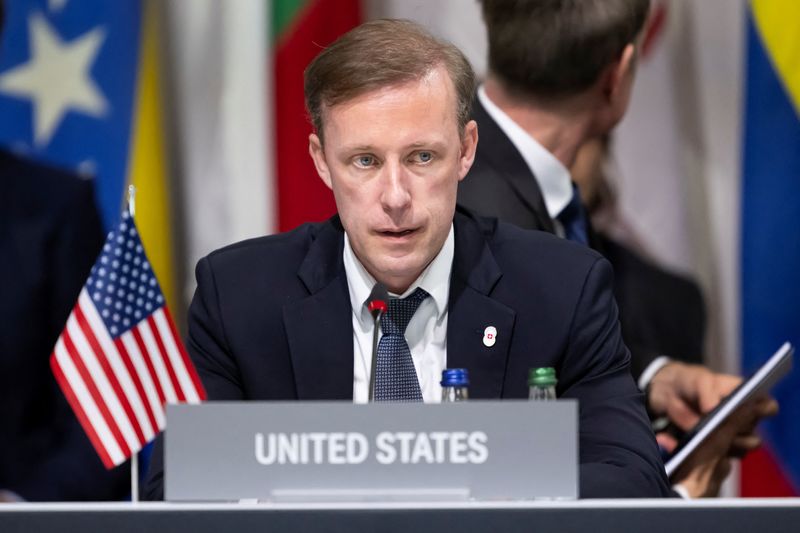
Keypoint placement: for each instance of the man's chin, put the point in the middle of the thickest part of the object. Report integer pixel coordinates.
(394, 274)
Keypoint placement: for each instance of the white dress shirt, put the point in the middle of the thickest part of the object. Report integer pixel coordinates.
(426, 333)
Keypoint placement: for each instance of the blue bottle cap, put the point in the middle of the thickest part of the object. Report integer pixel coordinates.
(455, 377)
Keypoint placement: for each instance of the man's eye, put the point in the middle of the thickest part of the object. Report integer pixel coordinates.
(365, 161)
(424, 157)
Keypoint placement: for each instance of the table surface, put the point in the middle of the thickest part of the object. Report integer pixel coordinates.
(642, 503)
(599, 516)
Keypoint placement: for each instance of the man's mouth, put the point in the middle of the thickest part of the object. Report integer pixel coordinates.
(396, 233)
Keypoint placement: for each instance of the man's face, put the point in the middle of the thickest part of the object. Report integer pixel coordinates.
(393, 158)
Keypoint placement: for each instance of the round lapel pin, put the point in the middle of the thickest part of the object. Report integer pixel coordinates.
(489, 336)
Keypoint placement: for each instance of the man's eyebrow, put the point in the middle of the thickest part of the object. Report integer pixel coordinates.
(436, 143)
(429, 143)
(357, 148)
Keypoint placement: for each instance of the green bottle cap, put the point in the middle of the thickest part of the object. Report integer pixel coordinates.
(542, 377)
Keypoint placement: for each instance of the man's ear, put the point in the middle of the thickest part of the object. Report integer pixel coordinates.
(317, 154)
(469, 143)
(614, 90)
(620, 77)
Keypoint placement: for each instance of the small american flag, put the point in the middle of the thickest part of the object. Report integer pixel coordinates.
(119, 358)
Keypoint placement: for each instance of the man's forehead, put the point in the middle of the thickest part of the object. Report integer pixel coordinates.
(432, 76)
(433, 90)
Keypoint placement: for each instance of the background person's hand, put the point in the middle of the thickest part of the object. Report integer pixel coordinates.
(684, 393)
(703, 472)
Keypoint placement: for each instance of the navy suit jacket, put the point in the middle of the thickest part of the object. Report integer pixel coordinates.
(50, 235)
(661, 312)
(271, 320)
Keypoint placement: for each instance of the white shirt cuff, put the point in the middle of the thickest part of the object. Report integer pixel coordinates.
(657, 364)
(682, 492)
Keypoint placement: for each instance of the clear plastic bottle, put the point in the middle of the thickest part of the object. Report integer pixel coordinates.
(455, 382)
(542, 383)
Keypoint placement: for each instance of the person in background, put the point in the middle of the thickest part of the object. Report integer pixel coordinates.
(561, 73)
(50, 235)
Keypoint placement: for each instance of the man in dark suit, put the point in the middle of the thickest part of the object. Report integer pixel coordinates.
(560, 73)
(283, 317)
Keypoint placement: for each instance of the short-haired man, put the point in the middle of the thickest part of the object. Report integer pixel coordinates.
(560, 73)
(284, 317)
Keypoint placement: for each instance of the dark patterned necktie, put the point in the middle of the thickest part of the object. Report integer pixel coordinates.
(395, 376)
(573, 218)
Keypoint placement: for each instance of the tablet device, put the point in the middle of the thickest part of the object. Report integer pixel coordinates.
(756, 385)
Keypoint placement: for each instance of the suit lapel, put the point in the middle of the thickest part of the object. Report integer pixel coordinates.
(499, 152)
(472, 310)
(319, 328)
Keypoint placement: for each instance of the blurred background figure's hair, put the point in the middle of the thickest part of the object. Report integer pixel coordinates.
(379, 54)
(558, 47)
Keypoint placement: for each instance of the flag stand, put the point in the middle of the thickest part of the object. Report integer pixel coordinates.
(132, 200)
(135, 477)
(134, 455)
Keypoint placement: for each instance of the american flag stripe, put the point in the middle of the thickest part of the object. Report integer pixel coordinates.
(82, 402)
(97, 352)
(141, 349)
(118, 403)
(105, 349)
(103, 382)
(126, 344)
(196, 385)
(158, 362)
(72, 397)
(173, 379)
(185, 385)
(96, 396)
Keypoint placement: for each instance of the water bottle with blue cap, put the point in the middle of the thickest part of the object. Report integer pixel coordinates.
(455, 382)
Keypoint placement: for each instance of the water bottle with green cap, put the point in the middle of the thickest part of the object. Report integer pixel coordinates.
(542, 383)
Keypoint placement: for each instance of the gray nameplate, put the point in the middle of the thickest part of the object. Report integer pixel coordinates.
(312, 451)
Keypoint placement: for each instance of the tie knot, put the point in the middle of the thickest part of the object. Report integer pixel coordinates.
(400, 312)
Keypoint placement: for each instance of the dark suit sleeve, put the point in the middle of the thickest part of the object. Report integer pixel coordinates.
(209, 351)
(618, 453)
(207, 342)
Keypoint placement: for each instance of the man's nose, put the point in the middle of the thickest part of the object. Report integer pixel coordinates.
(395, 193)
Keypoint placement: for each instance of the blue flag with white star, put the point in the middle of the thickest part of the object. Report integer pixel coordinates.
(67, 81)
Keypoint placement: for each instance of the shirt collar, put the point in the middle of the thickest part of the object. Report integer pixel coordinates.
(435, 279)
(551, 175)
